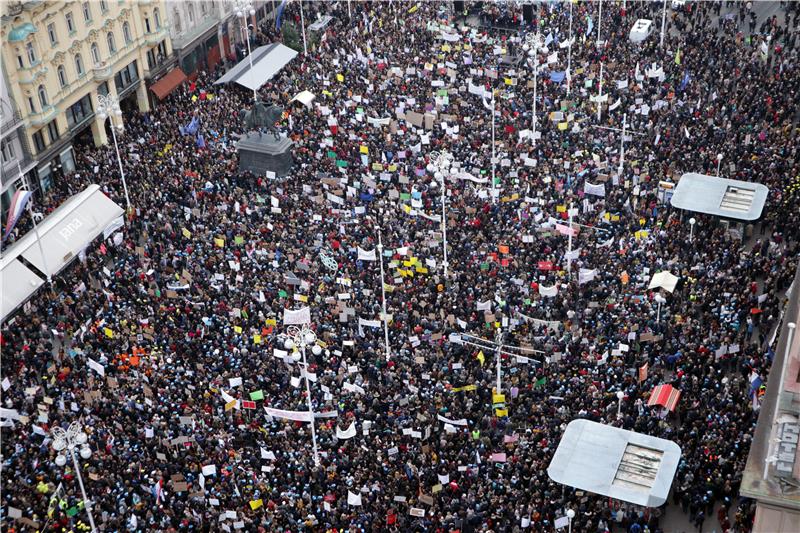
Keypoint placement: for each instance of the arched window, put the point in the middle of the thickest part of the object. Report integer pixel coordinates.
(112, 46)
(176, 21)
(95, 53)
(42, 96)
(157, 17)
(191, 14)
(62, 76)
(79, 65)
(126, 32)
(31, 53)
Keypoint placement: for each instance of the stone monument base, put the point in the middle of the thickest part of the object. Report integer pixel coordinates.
(260, 153)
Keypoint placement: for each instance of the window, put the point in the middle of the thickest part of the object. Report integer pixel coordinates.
(78, 65)
(20, 62)
(38, 141)
(126, 33)
(95, 54)
(42, 96)
(52, 131)
(112, 46)
(147, 24)
(157, 18)
(70, 22)
(203, 8)
(176, 21)
(51, 32)
(191, 14)
(8, 150)
(102, 89)
(87, 12)
(62, 76)
(103, 6)
(78, 111)
(31, 105)
(125, 77)
(31, 53)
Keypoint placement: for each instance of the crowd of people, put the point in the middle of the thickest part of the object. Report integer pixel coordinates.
(185, 314)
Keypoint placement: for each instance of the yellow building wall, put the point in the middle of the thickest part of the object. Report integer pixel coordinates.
(28, 25)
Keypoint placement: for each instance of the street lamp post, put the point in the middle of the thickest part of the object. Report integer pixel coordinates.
(719, 162)
(303, 336)
(620, 396)
(243, 8)
(70, 439)
(663, 23)
(26, 187)
(659, 300)
(533, 42)
(570, 516)
(569, 52)
(108, 107)
(385, 317)
(499, 342)
(692, 222)
(440, 167)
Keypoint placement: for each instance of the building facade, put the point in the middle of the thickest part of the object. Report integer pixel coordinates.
(16, 159)
(205, 33)
(58, 56)
(772, 473)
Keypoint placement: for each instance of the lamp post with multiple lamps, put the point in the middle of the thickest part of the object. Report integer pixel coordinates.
(440, 166)
(68, 440)
(303, 336)
(108, 107)
(243, 9)
(533, 43)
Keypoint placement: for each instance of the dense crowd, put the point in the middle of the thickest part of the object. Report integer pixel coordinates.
(193, 296)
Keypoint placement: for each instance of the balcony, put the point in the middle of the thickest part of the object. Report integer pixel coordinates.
(9, 120)
(102, 72)
(156, 37)
(47, 114)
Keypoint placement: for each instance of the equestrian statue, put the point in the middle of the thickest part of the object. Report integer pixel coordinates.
(261, 116)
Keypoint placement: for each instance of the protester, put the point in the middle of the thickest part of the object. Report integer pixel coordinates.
(184, 314)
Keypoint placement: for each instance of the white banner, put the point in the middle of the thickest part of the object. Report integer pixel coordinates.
(379, 121)
(366, 255)
(297, 416)
(368, 323)
(353, 498)
(485, 306)
(597, 190)
(459, 422)
(551, 324)
(113, 226)
(348, 433)
(572, 255)
(299, 316)
(470, 177)
(97, 367)
(586, 275)
(548, 291)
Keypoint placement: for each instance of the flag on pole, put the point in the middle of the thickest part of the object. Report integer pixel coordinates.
(279, 16)
(158, 490)
(480, 357)
(18, 203)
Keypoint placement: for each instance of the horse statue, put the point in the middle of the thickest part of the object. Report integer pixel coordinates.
(261, 116)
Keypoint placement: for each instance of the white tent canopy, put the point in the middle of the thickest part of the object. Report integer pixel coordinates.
(267, 61)
(64, 233)
(664, 280)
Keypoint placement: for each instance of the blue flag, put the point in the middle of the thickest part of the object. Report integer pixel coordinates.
(191, 128)
(686, 79)
(589, 25)
(279, 16)
(558, 77)
(200, 141)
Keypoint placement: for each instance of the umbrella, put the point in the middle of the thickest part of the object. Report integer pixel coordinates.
(665, 395)
(665, 280)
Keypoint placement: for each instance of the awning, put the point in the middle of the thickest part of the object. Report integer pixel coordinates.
(168, 83)
(65, 232)
(666, 396)
(267, 61)
(19, 283)
(722, 197)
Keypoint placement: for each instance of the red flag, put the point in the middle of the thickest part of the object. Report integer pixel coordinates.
(643, 372)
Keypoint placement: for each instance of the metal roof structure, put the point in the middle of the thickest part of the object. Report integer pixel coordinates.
(267, 61)
(614, 462)
(722, 197)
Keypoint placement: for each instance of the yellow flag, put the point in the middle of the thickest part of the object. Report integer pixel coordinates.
(256, 339)
(237, 329)
(364, 149)
(561, 208)
(220, 243)
(501, 412)
(509, 81)
(187, 233)
(108, 332)
(480, 357)
(407, 208)
(563, 126)
(271, 322)
(339, 78)
(327, 92)
(388, 288)
(498, 398)
(414, 9)
(230, 405)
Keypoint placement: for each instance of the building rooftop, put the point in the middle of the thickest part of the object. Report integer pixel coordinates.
(721, 197)
(615, 462)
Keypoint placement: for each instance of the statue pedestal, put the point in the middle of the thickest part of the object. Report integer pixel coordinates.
(260, 153)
